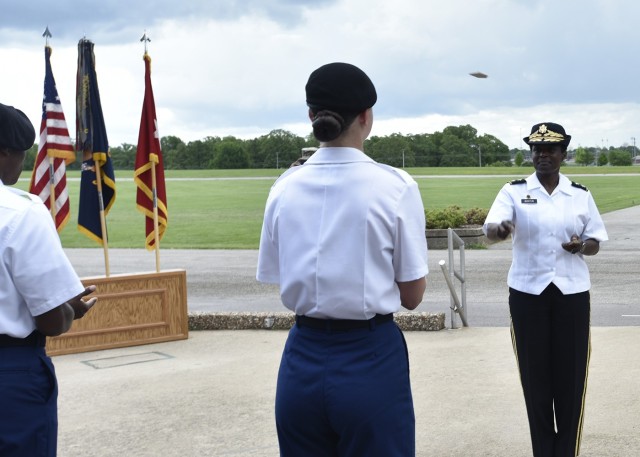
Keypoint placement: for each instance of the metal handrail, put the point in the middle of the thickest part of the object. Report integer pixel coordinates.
(458, 306)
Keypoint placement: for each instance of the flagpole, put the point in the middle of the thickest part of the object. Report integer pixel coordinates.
(52, 189)
(103, 221)
(155, 215)
(52, 183)
(154, 188)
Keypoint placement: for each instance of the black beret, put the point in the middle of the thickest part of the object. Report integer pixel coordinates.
(547, 133)
(16, 130)
(340, 87)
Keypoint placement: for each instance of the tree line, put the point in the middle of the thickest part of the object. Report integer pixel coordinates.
(455, 146)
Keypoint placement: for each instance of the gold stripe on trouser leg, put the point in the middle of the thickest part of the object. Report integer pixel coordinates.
(584, 394)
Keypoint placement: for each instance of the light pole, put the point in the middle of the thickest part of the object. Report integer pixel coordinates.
(479, 153)
(479, 75)
(601, 149)
(633, 138)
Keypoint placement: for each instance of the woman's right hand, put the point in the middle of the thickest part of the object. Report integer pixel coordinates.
(500, 231)
(505, 229)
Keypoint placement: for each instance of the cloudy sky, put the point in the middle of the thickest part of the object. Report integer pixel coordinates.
(238, 67)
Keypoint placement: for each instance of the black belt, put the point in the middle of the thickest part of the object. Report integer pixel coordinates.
(36, 339)
(342, 325)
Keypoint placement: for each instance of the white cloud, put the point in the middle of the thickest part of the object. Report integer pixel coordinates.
(239, 68)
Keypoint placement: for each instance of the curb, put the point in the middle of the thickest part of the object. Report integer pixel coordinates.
(407, 321)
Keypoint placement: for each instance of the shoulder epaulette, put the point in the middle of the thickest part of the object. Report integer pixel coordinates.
(579, 186)
(24, 194)
(518, 181)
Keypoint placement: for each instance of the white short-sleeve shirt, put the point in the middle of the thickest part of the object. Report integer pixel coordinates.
(338, 232)
(35, 274)
(542, 223)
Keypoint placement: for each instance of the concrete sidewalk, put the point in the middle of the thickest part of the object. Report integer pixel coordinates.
(213, 394)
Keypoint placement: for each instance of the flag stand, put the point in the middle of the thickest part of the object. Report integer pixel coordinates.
(103, 221)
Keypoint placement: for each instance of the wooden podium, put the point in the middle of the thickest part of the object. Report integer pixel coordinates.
(132, 309)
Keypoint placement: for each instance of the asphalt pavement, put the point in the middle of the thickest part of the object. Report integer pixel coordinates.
(213, 394)
(224, 280)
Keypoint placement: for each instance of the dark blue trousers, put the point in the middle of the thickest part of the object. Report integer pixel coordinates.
(28, 403)
(551, 338)
(345, 394)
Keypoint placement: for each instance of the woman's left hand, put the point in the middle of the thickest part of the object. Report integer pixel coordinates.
(574, 245)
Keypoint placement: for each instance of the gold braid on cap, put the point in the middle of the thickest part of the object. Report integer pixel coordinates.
(544, 134)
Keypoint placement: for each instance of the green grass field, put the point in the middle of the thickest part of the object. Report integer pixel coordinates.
(227, 213)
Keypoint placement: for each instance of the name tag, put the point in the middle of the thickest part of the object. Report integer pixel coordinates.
(529, 200)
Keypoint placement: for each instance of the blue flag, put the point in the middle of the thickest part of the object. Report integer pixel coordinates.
(96, 198)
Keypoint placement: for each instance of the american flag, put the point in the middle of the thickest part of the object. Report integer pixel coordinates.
(55, 152)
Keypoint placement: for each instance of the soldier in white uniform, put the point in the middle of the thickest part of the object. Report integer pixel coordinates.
(554, 224)
(40, 295)
(344, 237)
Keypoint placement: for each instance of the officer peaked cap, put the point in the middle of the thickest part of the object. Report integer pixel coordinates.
(548, 133)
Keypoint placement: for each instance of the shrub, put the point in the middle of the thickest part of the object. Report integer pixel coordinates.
(476, 216)
(454, 217)
(445, 218)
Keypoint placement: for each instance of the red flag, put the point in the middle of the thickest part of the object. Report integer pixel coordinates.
(150, 199)
(55, 152)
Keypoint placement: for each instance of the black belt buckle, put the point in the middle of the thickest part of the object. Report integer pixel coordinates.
(342, 325)
(35, 339)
